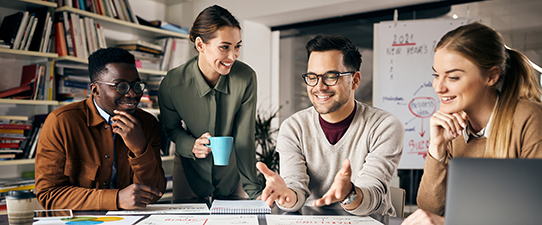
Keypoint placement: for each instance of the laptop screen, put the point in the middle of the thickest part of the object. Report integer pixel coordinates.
(494, 191)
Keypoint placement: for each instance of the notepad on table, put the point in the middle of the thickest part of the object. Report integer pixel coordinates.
(239, 206)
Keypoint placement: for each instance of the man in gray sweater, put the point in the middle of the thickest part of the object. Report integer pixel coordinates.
(340, 151)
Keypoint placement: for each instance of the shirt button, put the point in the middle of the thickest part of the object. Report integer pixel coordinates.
(104, 184)
(107, 156)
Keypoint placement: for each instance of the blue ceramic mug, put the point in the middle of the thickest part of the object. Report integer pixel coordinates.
(221, 148)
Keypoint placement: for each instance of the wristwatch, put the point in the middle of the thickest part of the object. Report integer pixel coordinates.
(350, 197)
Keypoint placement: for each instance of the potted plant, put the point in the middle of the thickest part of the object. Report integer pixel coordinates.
(266, 143)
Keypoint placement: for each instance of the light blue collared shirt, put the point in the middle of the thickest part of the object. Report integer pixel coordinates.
(102, 112)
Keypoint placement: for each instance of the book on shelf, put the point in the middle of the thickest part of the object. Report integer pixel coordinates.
(41, 15)
(163, 25)
(28, 85)
(240, 206)
(84, 39)
(27, 30)
(10, 150)
(10, 26)
(142, 48)
(13, 117)
(176, 52)
(60, 39)
(7, 156)
(46, 37)
(101, 36)
(140, 43)
(131, 12)
(169, 26)
(76, 36)
(67, 29)
(15, 126)
(20, 31)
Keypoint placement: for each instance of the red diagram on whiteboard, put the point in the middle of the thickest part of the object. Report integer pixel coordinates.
(421, 107)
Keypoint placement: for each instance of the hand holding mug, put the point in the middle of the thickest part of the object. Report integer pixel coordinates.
(200, 149)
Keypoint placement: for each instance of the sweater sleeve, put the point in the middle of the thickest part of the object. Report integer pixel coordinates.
(293, 167)
(432, 190)
(244, 141)
(385, 146)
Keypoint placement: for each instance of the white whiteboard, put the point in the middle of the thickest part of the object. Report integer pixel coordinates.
(403, 81)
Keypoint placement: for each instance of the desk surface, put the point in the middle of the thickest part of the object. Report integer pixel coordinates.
(307, 210)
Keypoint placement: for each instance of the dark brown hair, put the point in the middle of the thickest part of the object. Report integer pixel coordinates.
(485, 47)
(209, 21)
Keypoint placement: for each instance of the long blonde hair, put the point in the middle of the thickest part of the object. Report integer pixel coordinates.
(485, 47)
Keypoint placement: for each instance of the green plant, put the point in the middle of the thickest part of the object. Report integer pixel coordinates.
(266, 143)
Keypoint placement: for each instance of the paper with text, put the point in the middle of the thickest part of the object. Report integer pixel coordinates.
(315, 220)
(200, 219)
(167, 209)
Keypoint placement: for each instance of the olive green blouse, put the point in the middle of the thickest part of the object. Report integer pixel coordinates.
(228, 109)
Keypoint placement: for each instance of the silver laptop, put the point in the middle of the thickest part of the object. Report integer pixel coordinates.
(494, 191)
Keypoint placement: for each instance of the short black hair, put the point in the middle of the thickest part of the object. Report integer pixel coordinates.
(327, 42)
(100, 58)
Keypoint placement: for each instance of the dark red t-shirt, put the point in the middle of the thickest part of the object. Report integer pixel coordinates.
(334, 131)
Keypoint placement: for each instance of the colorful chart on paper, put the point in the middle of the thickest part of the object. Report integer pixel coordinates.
(91, 220)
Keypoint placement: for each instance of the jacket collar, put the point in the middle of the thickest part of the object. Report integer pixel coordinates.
(93, 116)
(203, 88)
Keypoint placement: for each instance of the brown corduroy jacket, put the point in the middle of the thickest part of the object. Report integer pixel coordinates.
(74, 159)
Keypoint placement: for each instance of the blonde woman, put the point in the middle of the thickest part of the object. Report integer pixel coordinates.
(490, 107)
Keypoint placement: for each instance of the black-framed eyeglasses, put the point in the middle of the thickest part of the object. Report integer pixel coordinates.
(329, 78)
(123, 87)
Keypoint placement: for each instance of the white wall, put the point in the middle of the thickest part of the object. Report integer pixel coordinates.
(260, 46)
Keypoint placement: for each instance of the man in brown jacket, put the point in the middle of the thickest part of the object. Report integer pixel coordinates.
(102, 153)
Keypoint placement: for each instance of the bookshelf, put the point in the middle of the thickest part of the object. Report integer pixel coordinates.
(26, 4)
(15, 59)
(27, 102)
(123, 26)
(72, 59)
(26, 55)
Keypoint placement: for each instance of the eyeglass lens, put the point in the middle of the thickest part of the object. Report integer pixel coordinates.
(329, 79)
(124, 87)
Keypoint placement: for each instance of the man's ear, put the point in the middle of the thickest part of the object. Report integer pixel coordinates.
(493, 76)
(356, 80)
(94, 89)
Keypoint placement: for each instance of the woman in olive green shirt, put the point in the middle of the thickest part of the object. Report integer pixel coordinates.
(214, 95)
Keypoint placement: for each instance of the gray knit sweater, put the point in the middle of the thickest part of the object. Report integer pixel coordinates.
(308, 162)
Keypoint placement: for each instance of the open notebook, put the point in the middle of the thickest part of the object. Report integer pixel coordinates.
(240, 207)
